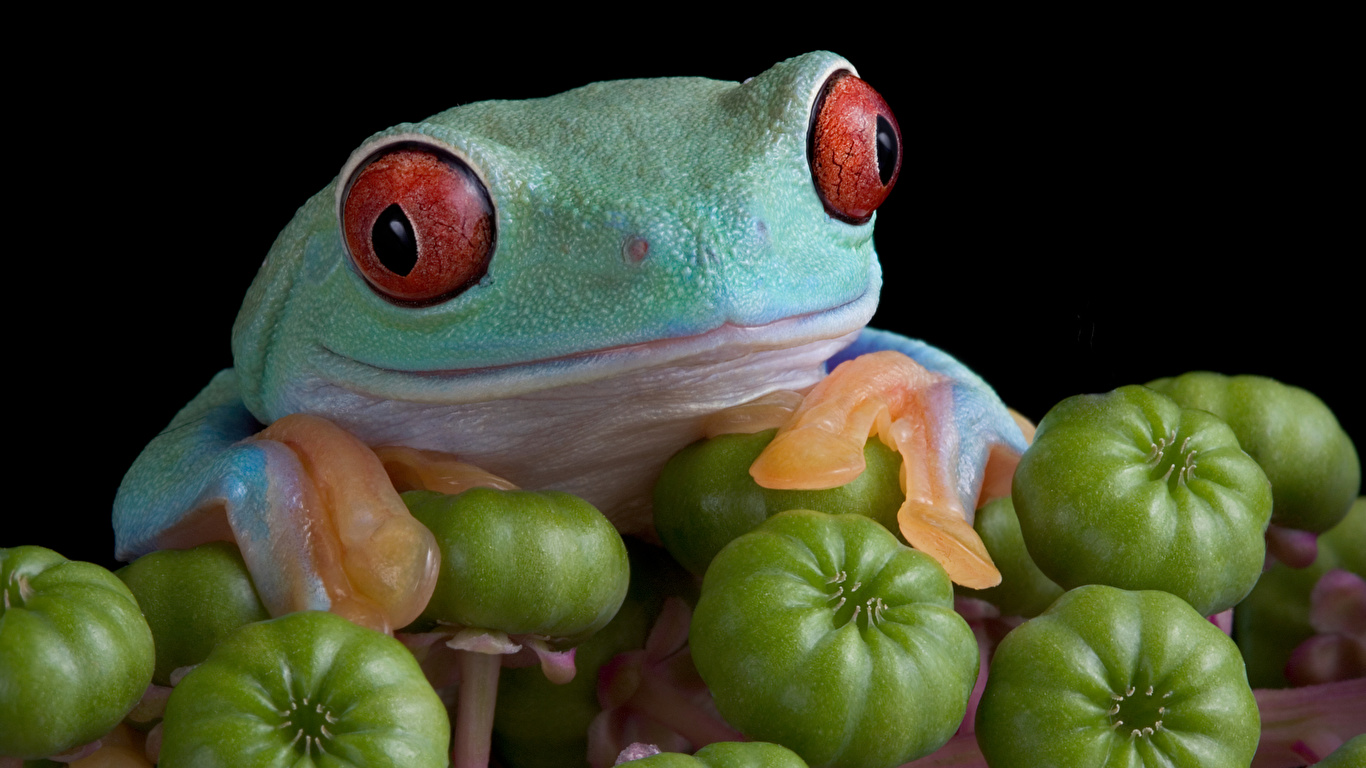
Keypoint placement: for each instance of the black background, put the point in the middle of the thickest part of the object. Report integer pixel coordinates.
(1082, 205)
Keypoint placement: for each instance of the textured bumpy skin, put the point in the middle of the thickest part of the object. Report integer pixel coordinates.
(661, 253)
(711, 175)
(628, 213)
(1071, 687)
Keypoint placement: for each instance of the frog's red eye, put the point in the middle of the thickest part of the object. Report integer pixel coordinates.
(419, 225)
(854, 148)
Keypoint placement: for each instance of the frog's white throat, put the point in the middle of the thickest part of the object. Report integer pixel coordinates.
(606, 437)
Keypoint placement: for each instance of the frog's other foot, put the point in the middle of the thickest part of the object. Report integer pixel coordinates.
(419, 469)
(959, 447)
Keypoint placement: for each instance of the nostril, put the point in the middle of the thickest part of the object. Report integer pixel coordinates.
(634, 249)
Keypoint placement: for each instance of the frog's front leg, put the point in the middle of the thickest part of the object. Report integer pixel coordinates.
(311, 507)
(959, 443)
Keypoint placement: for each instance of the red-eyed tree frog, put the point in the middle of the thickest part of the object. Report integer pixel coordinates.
(558, 292)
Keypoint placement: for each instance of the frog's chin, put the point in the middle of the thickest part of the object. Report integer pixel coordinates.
(802, 336)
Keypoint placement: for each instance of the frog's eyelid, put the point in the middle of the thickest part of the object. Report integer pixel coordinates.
(370, 150)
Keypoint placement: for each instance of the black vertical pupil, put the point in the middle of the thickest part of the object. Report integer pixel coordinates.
(886, 150)
(396, 244)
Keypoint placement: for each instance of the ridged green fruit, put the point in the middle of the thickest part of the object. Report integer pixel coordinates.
(1131, 490)
(825, 634)
(75, 652)
(305, 685)
(1107, 678)
(1313, 466)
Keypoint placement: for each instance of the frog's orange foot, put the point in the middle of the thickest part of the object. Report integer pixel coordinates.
(317, 519)
(349, 530)
(959, 447)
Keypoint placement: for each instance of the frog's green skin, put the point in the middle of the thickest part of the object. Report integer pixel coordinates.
(571, 365)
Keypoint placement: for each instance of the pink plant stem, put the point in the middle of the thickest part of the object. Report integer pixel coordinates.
(1297, 549)
(666, 704)
(474, 709)
(1224, 621)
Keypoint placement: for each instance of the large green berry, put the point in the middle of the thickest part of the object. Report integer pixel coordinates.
(192, 599)
(75, 652)
(825, 634)
(523, 562)
(1116, 679)
(1130, 489)
(1312, 464)
(306, 685)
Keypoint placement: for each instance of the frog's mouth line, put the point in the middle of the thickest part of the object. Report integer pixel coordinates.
(727, 341)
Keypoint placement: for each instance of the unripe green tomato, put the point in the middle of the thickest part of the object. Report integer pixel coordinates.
(1116, 679)
(1024, 590)
(192, 599)
(75, 652)
(523, 562)
(540, 724)
(1312, 464)
(305, 684)
(1274, 618)
(726, 754)
(705, 496)
(1129, 489)
(824, 634)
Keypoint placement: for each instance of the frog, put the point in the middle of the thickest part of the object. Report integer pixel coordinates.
(553, 293)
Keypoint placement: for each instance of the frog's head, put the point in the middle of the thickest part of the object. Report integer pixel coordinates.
(617, 226)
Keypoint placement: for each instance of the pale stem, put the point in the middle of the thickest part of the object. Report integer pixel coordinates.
(474, 709)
